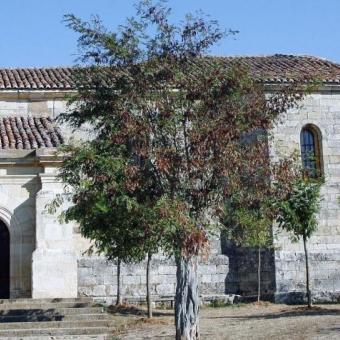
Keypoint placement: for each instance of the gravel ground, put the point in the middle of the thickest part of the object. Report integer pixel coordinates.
(266, 321)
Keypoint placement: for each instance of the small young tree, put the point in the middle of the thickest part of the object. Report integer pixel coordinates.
(107, 215)
(248, 214)
(248, 227)
(298, 215)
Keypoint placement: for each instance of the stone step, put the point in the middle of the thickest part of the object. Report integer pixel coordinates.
(7, 306)
(39, 301)
(71, 317)
(51, 311)
(36, 332)
(57, 324)
(54, 319)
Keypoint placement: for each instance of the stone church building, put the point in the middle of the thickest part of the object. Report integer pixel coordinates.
(42, 258)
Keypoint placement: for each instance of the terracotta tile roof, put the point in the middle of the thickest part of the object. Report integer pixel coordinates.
(36, 78)
(280, 68)
(28, 133)
(275, 68)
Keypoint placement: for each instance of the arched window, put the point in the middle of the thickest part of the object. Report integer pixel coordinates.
(311, 150)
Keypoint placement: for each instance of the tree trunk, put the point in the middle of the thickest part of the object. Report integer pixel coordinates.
(119, 296)
(187, 299)
(259, 275)
(309, 296)
(148, 282)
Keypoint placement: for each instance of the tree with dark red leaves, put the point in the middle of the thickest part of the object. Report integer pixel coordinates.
(168, 124)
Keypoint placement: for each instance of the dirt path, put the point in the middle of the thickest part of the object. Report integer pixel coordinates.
(253, 322)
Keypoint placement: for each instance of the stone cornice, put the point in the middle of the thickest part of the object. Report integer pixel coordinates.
(325, 88)
(38, 157)
(35, 94)
(18, 179)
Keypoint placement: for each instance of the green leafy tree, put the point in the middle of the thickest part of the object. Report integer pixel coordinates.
(250, 228)
(168, 120)
(248, 214)
(116, 222)
(298, 215)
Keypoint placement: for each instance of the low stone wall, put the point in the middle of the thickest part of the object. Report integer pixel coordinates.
(232, 273)
(291, 276)
(97, 277)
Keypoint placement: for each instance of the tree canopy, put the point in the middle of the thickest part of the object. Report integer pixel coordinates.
(170, 128)
(298, 212)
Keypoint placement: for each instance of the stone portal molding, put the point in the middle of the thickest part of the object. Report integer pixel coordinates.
(54, 261)
(16, 252)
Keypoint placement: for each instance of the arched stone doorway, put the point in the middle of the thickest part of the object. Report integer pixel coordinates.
(4, 261)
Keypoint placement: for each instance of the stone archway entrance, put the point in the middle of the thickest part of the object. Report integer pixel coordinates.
(4, 261)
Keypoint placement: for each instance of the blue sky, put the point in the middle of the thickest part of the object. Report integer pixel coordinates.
(32, 32)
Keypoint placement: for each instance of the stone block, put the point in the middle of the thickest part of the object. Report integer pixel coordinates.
(109, 278)
(99, 278)
(88, 281)
(206, 279)
(99, 290)
(285, 286)
(217, 278)
(222, 269)
(134, 269)
(85, 291)
(60, 267)
(207, 269)
(165, 289)
(157, 279)
(111, 290)
(135, 290)
(218, 260)
(131, 279)
(165, 270)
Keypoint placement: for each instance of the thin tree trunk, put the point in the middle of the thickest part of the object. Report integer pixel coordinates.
(309, 296)
(148, 283)
(259, 275)
(119, 296)
(187, 299)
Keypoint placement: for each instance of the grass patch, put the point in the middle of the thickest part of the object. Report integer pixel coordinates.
(219, 304)
(223, 304)
(262, 303)
(165, 306)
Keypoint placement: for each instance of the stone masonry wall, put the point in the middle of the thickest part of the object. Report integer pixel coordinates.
(218, 275)
(242, 278)
(323, 111)
(97, 278)
(221, 274)
(41, 104)
(284, 271)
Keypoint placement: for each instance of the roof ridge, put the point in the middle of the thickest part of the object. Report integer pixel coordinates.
(270, 55)
(233, 56)
(265, 68)
(36, 67)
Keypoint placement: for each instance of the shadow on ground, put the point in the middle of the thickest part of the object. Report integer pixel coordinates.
(30, 315)
(296, 312)
(136, 311)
